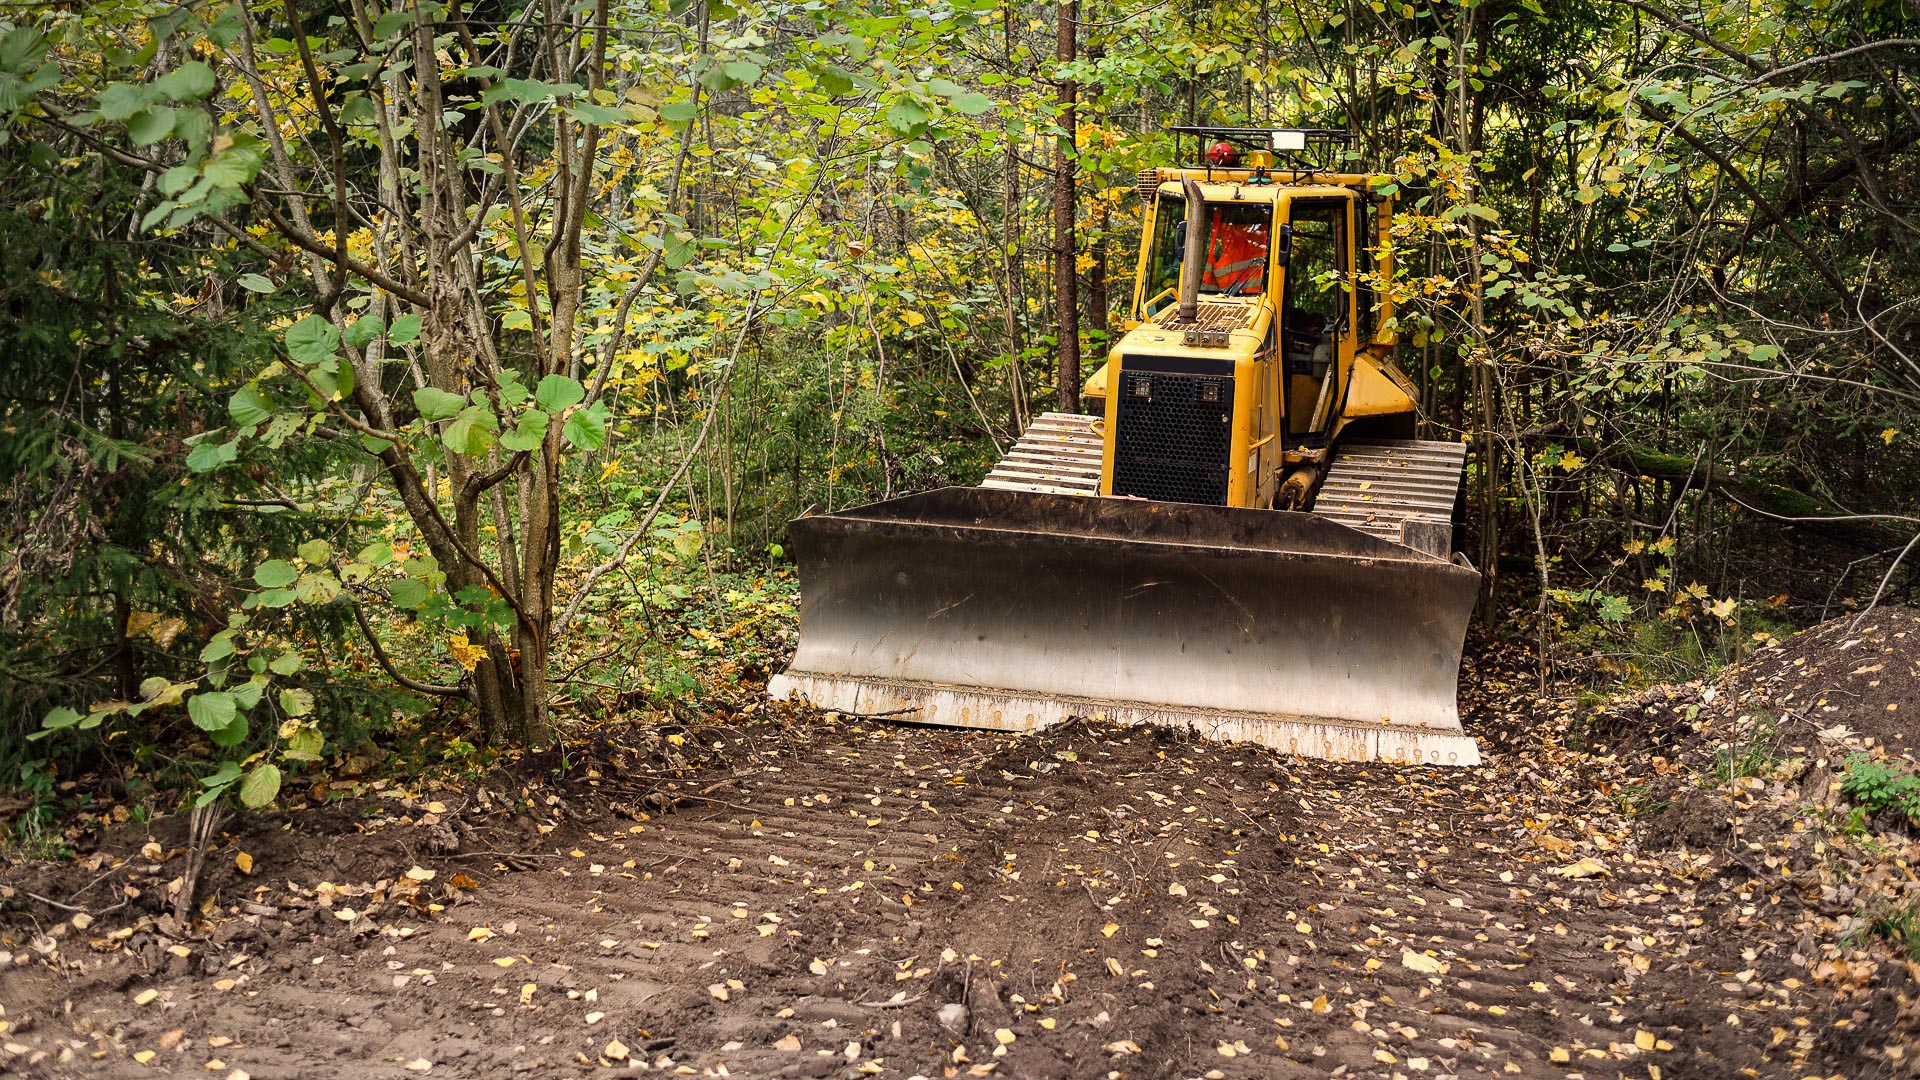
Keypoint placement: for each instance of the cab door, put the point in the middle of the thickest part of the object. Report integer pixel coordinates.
(1316, 310)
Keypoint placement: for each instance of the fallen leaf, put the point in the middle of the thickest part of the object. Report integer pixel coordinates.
(1122, 1046)
(420, 873)
(788, 1043)
(1110, 929)
(615, 1050)
(1048, 1022)
(419, 1065)
(244, 861)
(145, 997)
(719, 991)
(1585, 868)
(1003, 1036)
(1643, 1039)
(480, 933)
(143, 1056)
(1420, 962)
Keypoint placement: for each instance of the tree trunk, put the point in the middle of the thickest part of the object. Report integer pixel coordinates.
(1065, 276)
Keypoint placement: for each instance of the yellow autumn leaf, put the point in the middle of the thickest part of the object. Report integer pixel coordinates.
(912, 317)
(1585, 868)
(464, 652)
(1654, 585)
(244, 862)
(1572, 462)
(1889, 435)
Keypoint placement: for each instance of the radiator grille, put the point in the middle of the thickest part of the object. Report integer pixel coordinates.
(1172, 438)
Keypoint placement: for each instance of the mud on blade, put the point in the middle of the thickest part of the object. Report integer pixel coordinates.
(1012, 610)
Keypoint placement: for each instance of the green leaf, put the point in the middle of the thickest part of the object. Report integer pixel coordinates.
(190, 81)
(305, 745)
(208, 455)
(149, 126)
(437, 404)
(471, 433)
(587, 428)
(404, 330)
(409, 593)
(255, 283)
(679, 112)
(527, 90)
(61, 717)
(835, 81)
(742, 71)
(557, 393)
(211, 711)
(315, 552)
(261, 786)
(247, 694)
(907, 118)
(295, 701)
(275, 574)
(973, 104)
(364, 329)
(249, 406)
(218, 648)
(392, 22)
(528, 434)
(227, 773)
(316, 589)
(232, 735)
(120, 101)
(602, 115)
(287, 663)
(378, 553)
(272, 598)
(236, 165)
(312, 340)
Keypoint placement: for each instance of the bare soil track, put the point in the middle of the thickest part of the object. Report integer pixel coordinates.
(786, 895)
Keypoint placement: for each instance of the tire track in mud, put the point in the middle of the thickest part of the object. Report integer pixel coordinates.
(1099, 901)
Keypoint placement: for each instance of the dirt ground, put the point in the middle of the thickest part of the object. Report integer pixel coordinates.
(779, 894)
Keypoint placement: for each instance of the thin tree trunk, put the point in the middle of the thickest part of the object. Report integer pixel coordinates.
(1066, 279)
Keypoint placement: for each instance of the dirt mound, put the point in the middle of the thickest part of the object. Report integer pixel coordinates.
(1857, 673)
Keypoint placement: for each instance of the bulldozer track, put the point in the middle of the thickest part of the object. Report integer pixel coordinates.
(1377, 486)
(1059, 455)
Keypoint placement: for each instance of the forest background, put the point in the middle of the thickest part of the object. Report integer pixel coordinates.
(437, 378)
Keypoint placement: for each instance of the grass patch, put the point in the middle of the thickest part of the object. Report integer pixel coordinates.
(1750, 754)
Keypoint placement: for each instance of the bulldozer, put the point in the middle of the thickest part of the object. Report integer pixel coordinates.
(1243, 539)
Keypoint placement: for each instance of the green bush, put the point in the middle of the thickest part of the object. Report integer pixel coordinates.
(1879, 786)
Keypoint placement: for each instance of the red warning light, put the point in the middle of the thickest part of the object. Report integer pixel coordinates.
(1222, 155)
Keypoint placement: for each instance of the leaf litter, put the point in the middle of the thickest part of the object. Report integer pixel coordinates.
(1605, 896)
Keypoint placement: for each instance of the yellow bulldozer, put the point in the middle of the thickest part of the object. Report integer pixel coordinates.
(1245, 540)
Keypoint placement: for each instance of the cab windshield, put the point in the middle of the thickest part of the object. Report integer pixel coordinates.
(1239, 237)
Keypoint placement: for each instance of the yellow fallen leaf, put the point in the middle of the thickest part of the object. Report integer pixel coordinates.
(244, 861)
(145, 997)
(1122, 1046)
(1003, 1036)
(480, 933)
(1320, 1004)
(503, 961)
(1048, 1022)
(718, 991)
(1643, 1039)
(1110, 929)
(788, 1044)
(419, 873)
(1114, 968)
(143, 1056)
(526, 993)
(345, 914)
(1585, 868)
(419, 1065)
(1420, 962)
(1559, 1056)
(436, 808)
(615, 1050)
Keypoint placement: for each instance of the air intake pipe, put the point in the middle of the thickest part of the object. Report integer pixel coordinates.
(1192, 259)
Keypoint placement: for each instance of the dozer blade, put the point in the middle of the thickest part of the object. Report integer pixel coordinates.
(1013, 610)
